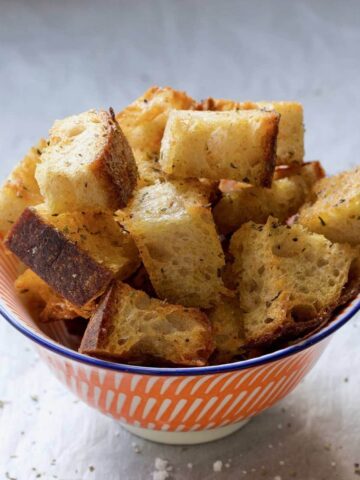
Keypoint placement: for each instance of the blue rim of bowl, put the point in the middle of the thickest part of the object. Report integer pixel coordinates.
(345, 315)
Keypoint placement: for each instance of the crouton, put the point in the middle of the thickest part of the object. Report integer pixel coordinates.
(77, 253)
(143, 123)
(286, 195)
(87, 165)
(289, 280)
(46, 305)
(228, 330)
(290, 140)
(215, 145)
(334, 209)
(175, 233)
(130, 326)
(20, 189)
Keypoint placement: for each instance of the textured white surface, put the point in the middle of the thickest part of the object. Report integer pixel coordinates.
(58, 58)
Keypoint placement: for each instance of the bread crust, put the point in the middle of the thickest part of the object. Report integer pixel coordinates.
(70, 271)
(269, 149)
(115, 167)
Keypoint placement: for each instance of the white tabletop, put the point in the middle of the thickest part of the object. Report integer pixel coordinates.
(58, 58)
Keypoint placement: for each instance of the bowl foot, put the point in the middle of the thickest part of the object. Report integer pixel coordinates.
(185, 438)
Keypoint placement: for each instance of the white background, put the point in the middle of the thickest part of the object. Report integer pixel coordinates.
(62, 57)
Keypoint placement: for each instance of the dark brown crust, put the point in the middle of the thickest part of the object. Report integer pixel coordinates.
(97, 330)
(269, 148)
(70, 271)
(115, 167)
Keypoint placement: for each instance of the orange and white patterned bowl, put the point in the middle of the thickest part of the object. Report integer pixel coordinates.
(169, 405)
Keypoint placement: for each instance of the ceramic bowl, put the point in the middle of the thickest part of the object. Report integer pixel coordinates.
(168, 405)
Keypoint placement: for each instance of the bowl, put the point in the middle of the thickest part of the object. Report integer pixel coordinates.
(168, 405)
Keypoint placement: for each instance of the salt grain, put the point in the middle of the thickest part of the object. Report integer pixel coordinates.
(162, 469)
(160, 475)
(217, 466)
(161, 464)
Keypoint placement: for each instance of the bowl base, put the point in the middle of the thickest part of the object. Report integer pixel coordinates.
(185, 438)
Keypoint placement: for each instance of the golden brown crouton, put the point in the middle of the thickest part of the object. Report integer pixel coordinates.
(174, 231)
(129, 326)
(87, 165)
(334, 209)
(238, 145)
(286, 195)
(20, 189)
(289, 279)
(290, 140)
(143, 123)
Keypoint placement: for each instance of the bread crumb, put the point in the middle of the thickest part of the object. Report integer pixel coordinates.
(136, 447)
(217, 466)
(162, 469)
(161, 464)
(160, 475)
(190, 466)
(277, 477)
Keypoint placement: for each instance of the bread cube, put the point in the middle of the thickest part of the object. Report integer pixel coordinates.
(334, 209)
(174, 231)
(290, 140)
(45, 304)
(228, 330)
(143, 123)
(289, 280)
(245, 202)
(215, 145)
(77, 253)
(20, 189)
(87, 165)
(130, 326)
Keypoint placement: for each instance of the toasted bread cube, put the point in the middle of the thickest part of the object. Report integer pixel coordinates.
(77, 253)
(289, 280)
(87, 165)
(149, 168)
(228, 330)
(129, 326)
(143, 123)
(215, 145)
(335, 208)
(45, 304)
(176, 236)
(290, 140)
(282, 200)
(20, 189)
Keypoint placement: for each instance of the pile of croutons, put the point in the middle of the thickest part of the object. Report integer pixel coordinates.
(184, 233)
